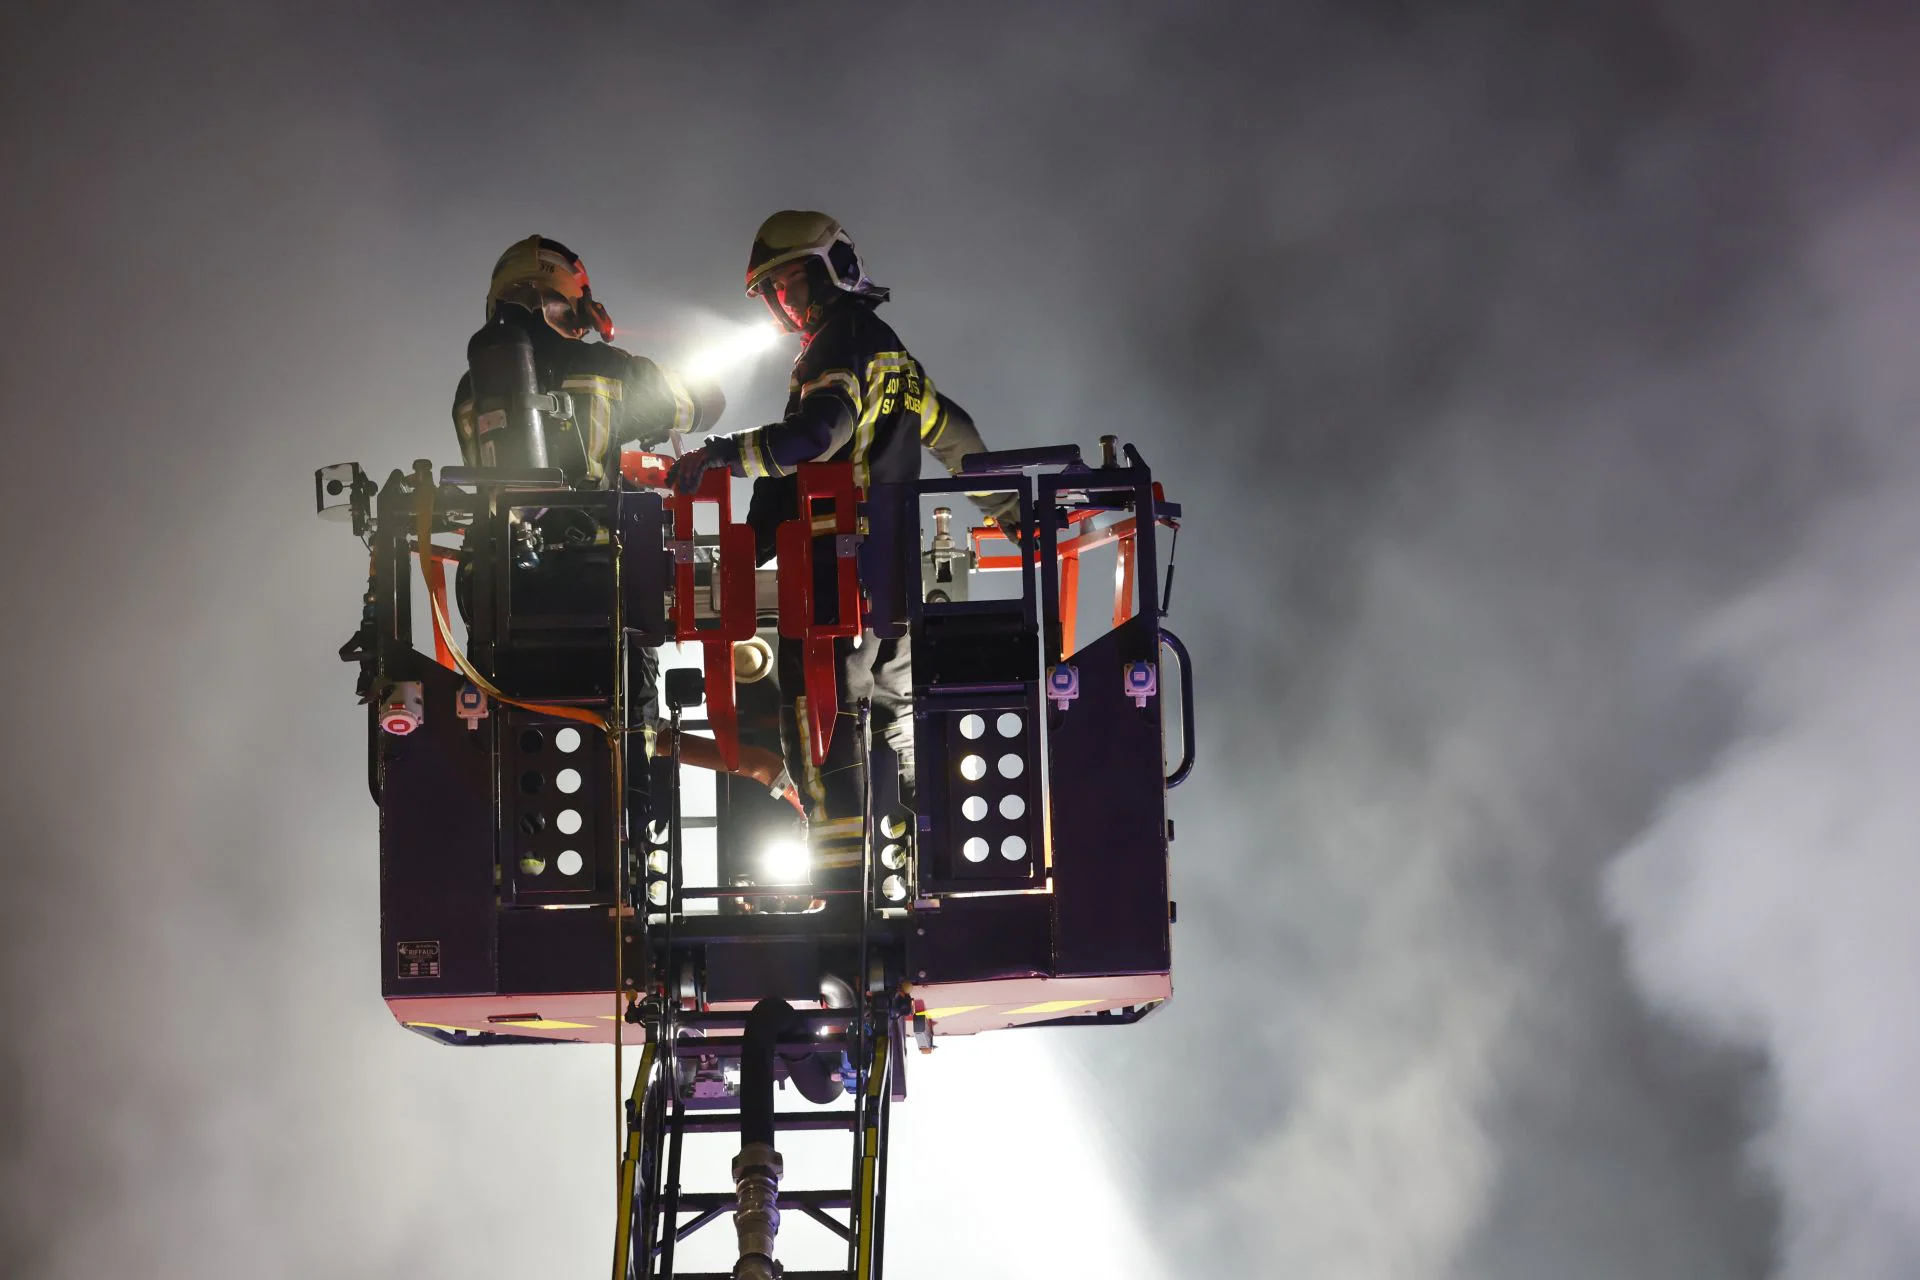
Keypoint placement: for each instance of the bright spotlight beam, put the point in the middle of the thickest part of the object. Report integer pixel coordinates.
(730, 351)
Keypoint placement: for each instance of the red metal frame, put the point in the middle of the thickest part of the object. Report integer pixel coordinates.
(794, 542)
(736, 621)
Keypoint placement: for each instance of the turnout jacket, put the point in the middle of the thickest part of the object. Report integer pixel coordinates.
(856, 394)
(618, 399)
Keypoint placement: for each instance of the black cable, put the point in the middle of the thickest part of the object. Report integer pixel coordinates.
(1166, 593)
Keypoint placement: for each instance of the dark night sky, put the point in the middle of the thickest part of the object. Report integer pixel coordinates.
(1539, 381)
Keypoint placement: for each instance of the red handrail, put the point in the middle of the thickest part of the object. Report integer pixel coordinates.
(794, 540)
(736, 621)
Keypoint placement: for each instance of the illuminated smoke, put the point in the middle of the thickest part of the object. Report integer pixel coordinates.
(1775, 902)
(730, 352)
(1470, 339)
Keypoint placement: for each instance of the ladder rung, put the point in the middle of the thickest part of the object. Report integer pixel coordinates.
(724, 1046)
(738, 1017)
(789, 1121)
(701, 1201)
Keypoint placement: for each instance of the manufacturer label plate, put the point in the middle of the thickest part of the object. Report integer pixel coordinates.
(416, 960)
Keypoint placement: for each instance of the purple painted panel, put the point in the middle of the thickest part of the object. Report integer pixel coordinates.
(980, 939)
(436, 851)
(1109, 816)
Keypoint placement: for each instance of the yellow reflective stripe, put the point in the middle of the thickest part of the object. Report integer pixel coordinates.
(835, 378)
(837, 842)
(611, 388)
(1052, 1006)
(684, 410)
(816, 789)
(599, 435)
(599, 393)
(933, 419)
(753, 454)
(878, 402)
(952, 1011)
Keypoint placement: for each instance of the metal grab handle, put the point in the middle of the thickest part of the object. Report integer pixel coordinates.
(794, 549)
(734, 569)
(1185, 767)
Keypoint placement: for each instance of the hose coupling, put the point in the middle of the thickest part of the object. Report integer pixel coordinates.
(756, 1216)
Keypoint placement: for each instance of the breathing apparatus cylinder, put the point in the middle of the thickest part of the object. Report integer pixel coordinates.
(506, 389)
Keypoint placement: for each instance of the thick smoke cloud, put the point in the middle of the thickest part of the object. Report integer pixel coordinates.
(1523, 374)
(1770, 904)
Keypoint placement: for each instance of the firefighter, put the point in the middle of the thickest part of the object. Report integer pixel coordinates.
(856, 395)
(540, 287)
(612, 399)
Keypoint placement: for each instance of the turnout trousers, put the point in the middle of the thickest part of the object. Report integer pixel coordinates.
(834, 792)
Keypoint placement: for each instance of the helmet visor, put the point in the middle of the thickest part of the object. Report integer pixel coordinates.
(788, 292)
(774, 308)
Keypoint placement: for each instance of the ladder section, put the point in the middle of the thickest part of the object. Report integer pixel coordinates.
(706, 1088)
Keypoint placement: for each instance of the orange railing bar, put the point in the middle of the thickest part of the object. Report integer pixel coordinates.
(1069, 552)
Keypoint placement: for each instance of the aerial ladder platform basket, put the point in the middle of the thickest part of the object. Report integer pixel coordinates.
(552, 870)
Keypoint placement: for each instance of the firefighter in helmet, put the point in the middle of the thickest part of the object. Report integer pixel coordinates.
(856, 395)
(540, 287)
(608, 399)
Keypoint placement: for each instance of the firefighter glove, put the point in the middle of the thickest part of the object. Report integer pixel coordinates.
(1004, 511)
(719, 454)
